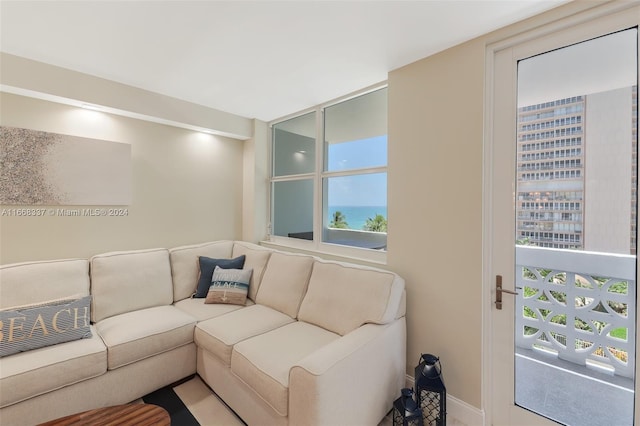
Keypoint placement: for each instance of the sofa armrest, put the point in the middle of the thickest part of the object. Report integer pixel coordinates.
(352, 380)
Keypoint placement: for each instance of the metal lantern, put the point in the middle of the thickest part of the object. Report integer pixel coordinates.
(431, 394)
(406, 411)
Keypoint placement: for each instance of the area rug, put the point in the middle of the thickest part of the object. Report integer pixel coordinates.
(193, 403)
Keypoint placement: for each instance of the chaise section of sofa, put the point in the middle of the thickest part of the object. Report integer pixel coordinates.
(309, 344)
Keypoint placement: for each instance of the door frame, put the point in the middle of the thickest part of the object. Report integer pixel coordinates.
(609, 16)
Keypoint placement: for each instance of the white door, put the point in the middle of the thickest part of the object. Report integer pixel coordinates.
(560, 222)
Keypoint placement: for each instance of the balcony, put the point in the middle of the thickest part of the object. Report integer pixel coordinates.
(575, 335)
(348, 237)
(356, 238)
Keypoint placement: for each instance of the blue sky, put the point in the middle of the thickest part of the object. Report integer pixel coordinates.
(362, 190)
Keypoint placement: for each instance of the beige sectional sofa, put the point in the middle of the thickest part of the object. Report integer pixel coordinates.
(317, 342)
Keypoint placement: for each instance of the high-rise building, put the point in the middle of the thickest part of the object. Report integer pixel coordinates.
(576, 162)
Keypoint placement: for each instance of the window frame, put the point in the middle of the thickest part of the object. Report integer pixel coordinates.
(319, 175)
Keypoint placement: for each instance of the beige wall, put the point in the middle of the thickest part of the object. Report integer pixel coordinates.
(187, 187)
(435, 205)
(255, 194)
(23, 76)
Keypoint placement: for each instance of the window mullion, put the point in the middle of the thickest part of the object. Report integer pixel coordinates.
(352, 172)
(318, 216)
(286, 178)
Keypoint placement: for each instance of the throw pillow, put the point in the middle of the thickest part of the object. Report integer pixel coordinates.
(208, 265)
(35, 326)
(229, 286)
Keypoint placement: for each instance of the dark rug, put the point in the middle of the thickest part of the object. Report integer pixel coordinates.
(170, 401)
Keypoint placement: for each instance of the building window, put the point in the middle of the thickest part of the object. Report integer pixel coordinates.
(332, 193)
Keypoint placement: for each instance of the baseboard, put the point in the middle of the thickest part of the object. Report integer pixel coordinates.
(459, 413)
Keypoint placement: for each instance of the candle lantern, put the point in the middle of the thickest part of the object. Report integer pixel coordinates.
(431, 394)
(406, 411)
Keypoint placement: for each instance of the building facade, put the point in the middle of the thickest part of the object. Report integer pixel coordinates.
(577, 172)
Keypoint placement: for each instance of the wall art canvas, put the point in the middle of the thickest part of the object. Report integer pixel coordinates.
(43, 168)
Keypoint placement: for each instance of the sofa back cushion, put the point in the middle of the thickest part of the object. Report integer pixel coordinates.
(35, 282)
(284, 282)
(185, 268)
(129, 280)
(342, 297)
(256, 258)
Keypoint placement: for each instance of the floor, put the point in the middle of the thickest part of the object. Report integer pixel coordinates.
(572, 395)
(568, 394)
(209, 410)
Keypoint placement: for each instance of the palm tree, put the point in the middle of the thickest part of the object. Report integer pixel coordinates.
(338, 221)
(377, 224)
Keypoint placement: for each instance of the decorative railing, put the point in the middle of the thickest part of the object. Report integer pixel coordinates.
(578, 306)
(356, 238)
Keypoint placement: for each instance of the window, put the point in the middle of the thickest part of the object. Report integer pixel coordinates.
(332, 195)
(293, 169)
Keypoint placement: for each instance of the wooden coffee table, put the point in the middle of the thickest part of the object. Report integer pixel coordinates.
(121, 415)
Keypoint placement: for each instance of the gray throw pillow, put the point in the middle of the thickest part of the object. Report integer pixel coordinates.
(35, 326)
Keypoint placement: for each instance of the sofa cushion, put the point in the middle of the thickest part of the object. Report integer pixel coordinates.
(201, 311)
(256, 259)
(136, 335)
(218, 335)
(342, 297)
(229, 286)
(208, 266)
(185, 268)
(284, 282)
(44, 324)
(39, 371)
(263, 362)
(127, 281)
(34, 282)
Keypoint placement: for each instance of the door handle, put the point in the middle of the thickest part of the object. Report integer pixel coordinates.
(500, 290)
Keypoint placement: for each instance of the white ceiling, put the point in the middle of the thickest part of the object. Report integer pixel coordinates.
(257, 59)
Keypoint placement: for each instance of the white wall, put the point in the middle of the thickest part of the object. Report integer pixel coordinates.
(187, 187)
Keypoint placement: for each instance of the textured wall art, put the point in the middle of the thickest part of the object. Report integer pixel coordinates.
(53, 169)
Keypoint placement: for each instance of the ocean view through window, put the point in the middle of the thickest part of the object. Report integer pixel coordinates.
(340, 151)
(356, 216)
